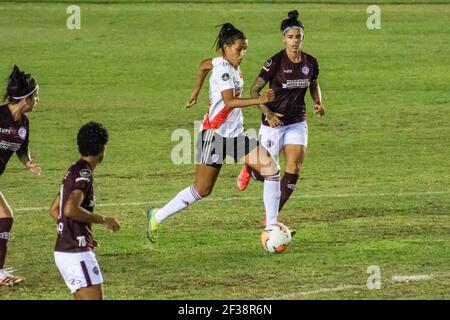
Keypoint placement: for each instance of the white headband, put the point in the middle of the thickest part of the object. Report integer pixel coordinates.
(294, 27)
(29, 94)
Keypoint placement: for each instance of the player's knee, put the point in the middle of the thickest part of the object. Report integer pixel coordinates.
(292, 167)
(275, 166)
(271, 170)
(89, 293)
(204, 191)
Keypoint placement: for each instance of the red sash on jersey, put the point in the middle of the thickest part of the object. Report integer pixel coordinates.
(219, 119)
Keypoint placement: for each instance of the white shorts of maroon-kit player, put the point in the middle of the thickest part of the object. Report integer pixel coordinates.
(79, 269)
(274, 139)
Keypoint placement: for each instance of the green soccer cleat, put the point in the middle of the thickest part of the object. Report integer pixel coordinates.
(152, 225)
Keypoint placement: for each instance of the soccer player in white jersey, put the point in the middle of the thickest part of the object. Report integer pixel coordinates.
(222, 133)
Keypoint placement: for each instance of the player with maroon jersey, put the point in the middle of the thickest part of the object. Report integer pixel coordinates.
(72, 211)
(22, 95)
(290, 73)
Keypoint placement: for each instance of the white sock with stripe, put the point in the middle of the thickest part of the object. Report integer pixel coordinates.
(181, 201)
(272, 196)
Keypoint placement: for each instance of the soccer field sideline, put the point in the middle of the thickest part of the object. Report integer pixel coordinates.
(339, 288)
(304, 196)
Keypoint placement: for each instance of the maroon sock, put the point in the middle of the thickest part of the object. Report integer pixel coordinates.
(287, 186)
(255, 174)
(5, 227)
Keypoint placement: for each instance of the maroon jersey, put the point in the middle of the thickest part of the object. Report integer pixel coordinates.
(13, 136)
(76, 236)
(289, 81)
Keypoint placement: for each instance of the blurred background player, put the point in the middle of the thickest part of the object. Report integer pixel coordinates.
(73, 209)
(222, 132)
(22, 95)
(283, 127)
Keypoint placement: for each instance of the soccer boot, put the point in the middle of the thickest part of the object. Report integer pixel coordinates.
(152, 225)
(243, 179)
(8, 279)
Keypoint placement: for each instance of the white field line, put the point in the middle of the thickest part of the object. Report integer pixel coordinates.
(395, 278)
(322, 290)
(412, 277)
(303, 196)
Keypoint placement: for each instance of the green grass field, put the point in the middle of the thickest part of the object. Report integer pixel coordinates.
(375, 185)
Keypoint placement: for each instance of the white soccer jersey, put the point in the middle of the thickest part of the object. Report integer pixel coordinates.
(224, 121)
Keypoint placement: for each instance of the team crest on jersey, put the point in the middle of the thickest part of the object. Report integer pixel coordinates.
(225, 77)
(305, 70)
(85, 173)
(269, 143)
(22, 132)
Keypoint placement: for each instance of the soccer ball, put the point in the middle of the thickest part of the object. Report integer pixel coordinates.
(276, 238)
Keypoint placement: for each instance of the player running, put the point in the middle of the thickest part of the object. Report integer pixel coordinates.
(290, 73)
(222, 132)
(22, 95)
(73, 209)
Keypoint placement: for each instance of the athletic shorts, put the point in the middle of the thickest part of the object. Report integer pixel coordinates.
(212, 148)
(274, 139)
(79, 269)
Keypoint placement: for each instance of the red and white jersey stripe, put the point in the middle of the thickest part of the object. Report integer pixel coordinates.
(224, 121)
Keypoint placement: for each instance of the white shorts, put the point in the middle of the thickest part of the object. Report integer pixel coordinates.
(79, 269)
(274, 139)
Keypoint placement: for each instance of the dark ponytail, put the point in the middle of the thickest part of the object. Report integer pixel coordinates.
(228, 34)
(292, 22)
(19, 84)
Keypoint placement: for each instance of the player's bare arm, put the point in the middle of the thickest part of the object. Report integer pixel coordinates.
(29, 163)
(316, 95)
(272, 117)
(73, 210)
(233, 102)
(54, 209)
(203, 70)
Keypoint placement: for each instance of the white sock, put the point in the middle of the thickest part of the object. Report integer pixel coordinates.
(181, 201)
(272, 196)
